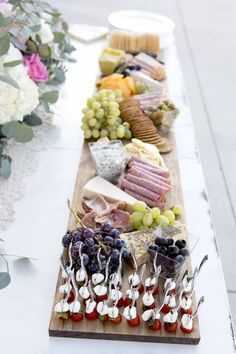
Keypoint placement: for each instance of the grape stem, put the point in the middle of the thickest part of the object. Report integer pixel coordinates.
(78, 220)
(101, 245)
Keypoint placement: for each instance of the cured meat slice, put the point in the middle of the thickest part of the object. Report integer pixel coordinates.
(151, 203)
(147, 183)
(120, 219)
(136, 171)
(98, 204)
(154, 170)
(89, 220)
(125, 184)
(159, 169)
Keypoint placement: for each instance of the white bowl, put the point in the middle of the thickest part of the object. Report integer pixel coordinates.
(141, 21)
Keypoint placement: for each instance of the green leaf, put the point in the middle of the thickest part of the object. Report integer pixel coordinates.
(45, 106)
(61, 314)
(38, 38)
(59, 74)
(50, 96)
(8, 80)
(1, 148)
(5, 166)
(58, 37)
(17, 44)
(27, 7)
(4, 44)
(5, 279)
(2, 19)
(7, 129)
(32, 46)
(22, 133)
(35, 28)
(44, 50)
(33, 120)
(13, 63)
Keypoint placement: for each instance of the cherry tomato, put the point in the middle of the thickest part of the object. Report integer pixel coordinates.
(77, 317)
(185, 330)
(186, 312)
(120, 302)
(135, 322)
(165, 309)
(71, 297)
(171, 327)
(141, 289)
(101, 298)
(103, 318)
(116, 320)
(156, 325)
(152, 306)
(155, 291)
(91, 316)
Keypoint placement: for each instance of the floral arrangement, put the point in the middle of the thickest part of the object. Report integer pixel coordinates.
(34, 45)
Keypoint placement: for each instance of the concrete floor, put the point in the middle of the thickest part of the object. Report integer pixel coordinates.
(206, 40)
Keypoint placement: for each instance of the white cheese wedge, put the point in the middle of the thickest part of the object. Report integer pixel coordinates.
(111, 193)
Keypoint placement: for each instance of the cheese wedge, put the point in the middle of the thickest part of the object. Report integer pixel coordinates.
(111, 193)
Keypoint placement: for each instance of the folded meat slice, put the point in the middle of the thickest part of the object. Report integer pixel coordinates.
(139, 172)
(98, 204)
(89, 220)
(151, 203)
(120, 219)
(143, 164)
(147, 183)
(126, 184)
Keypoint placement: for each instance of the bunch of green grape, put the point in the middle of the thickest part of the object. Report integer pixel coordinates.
(140, 87)
(102, 117)
(157, 114)
(144, 217)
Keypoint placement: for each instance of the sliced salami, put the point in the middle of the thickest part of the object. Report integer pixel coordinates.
(151, 203)
(139, 172)
(147, 183)
(140, 190)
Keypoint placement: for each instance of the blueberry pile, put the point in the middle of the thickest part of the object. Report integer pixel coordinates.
(167, 247)
(125, 68)
(106, 239)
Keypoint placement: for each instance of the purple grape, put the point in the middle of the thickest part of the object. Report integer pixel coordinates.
(94, 248)
(125, 253)
(99, 237)
(66, 240)
(88, 233)
(103, 264)
(114, 233)
(76, 246)
(85, 259)
(115, 255)
(108, 240)
(118, 243)
(106, 226)
(89, 242)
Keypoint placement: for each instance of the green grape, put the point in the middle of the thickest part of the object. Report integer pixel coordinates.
(140, 206)
(95, 133)
(104, 104)
(89, 114)
(155, 212)
(85, 110)
(147, 219)
(92, 122)
(87, 134)
(163, 221)
(119, 120)
(111, 97)
(111, 121)
(96, 106)
(90, 101)
(111, 128)
(143, 227)
(84, 119)
(158, 220)
(103, 133)
(112, 135)
(98, 125)
(115, 112)
(128, 135)
(176, 223)
(126, 125)
(177, 209)
(113, 105)
(137, 216)
(102, 95)
(84, 127)
(120, 132)
(170, 215)
(100, 113)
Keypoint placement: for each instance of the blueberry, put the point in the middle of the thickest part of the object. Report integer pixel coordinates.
(114, 233)
(170, 241)
(173, 251)
(161, 241)
(152, 249)
(181, 243)
(179, 259)
(138, 67)
(163, 250)
(184, 252)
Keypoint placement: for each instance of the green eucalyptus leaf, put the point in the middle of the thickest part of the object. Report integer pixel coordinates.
(23, 133)
(32, 46)
(2, 20)
(45, 106)
(50, 96)
(8, 80)
(58, 37)
(44, 50)
(4, 44)
(33, 120)
(5, 166)
(59, 74)
(5, 279)
(65, 26)
(16, 43)
(35, 28)
(7, 129)
(13, 63)
(27, 7)
(1, 148)
(38, 38)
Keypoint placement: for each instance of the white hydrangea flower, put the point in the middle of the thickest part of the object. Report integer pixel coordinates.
(45, 33)
(6, 9)
(16, 103)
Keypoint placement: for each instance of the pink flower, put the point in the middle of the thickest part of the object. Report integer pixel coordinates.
(36, 69)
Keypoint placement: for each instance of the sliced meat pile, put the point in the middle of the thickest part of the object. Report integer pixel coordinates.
(98, 210)
(150, 66)
(146, 182)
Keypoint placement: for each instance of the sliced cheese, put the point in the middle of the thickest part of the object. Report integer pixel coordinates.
(111, 193)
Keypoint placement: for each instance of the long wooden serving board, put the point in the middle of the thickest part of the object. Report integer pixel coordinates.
(97, 329)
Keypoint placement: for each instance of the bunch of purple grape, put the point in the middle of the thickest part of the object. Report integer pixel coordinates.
(105, 238)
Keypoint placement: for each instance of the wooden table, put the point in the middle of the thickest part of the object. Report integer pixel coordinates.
(41, 219)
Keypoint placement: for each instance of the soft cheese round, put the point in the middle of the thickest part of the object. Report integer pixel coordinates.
(100, 290)
(171, 317)
(187, 322)
(65, 288)
(186, 303)
(84, 292)
(75, 307)
(150, 282)
(130, 293)
(148, 298)
(61, 306)
(102, 308)
(130, 313)
(97, 278)
(134, 279)
(90, 306)
(113, 312)
(80, 275)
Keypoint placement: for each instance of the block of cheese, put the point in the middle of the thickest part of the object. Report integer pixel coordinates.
(109, 191)
(139, 242)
